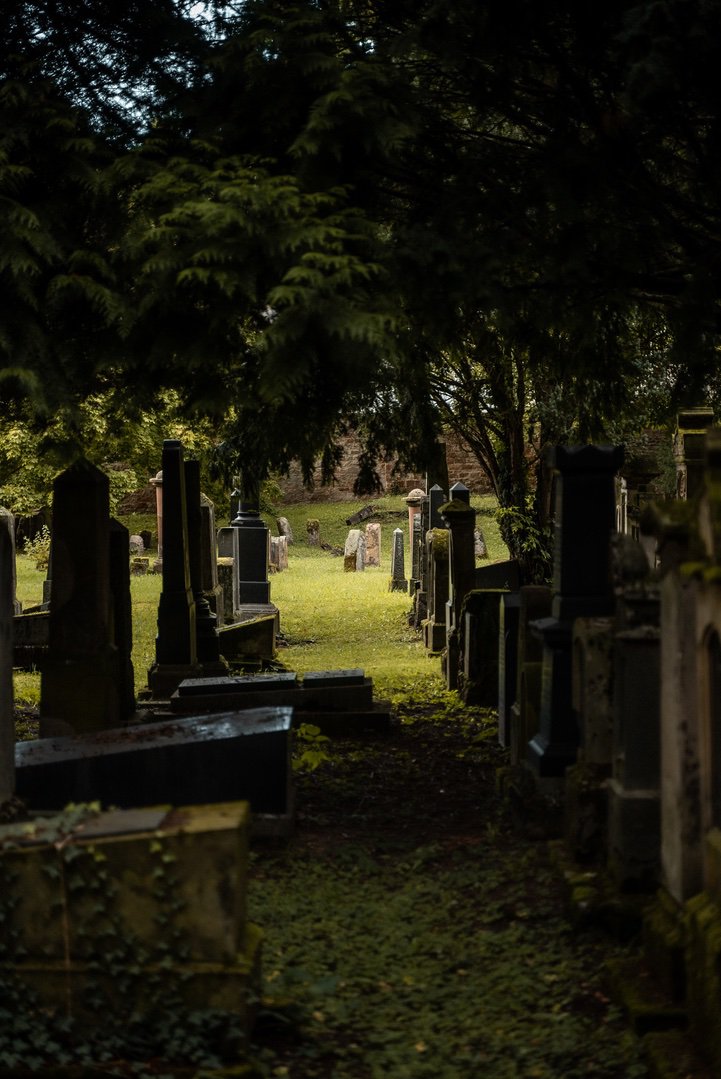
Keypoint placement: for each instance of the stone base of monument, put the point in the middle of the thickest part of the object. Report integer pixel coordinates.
(163, 678)
(253, 640)
(131, 911)
(339, 702)
(179, 760)
(634, 837)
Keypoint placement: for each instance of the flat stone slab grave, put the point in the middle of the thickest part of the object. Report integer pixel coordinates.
(193, 760)
(319, 691)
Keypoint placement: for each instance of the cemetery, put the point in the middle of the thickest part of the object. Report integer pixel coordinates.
(545, 758)
(360, 541)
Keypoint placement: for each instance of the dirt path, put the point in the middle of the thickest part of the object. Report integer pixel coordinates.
(413, 930)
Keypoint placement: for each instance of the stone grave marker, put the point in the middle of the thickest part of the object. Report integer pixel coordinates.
(373, 544)
(7, 717)
(312, 526)
(7, 520)
(350, 553)
(459, 519)
(284, 528)
(209, 559)
(434, 625)
(398, 582)
(79, 679)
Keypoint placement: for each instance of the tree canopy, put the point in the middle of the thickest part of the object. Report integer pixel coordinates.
(302, 214)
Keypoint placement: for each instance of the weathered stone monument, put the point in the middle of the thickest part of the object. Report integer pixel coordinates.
(398, 582)
(176, 653)
(312, 527)
(459, 518)
(434, 625)
(585, 515)
(284, 528)
(373, 545)
(350, 553)
(7, 718)
(81, 687)
(211, 588)
(7, 520)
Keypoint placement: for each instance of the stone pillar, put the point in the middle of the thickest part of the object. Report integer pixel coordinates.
(175, 644)
(584, 522)
(209, 559)
(312, 526)
(79, 690)
(284, 528)
(398, 582)
(534, 604)
(507, 663)
(436, 498)
(414, 501)
(122, 617)
(157, 483)
(7, 716)
(434, 626)
(7, 520)
(252, 542)
(373, 545)
(206, 633)
(361, 554)
(459, 518)
(688, 449)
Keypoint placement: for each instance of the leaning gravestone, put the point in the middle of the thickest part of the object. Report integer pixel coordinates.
(7, 728)
(284, 528)
(350, 554)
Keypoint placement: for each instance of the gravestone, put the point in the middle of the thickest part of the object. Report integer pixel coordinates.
(157, 483)
(176, 653)
(225, 537)
(252, 589)
(436, 498)
(414, 501)
(585, 514)
(373, 544)
(7, 717)
(209, 560)
(688, 448)
(79, 679)
(136, 545)
(477, 633)
(350, 553)
(312, 527)
(284, 528)
(534, 604)
(479, 544)
(459, 519)
(122, 618)
(507, 662)
(274, 556)
(7, 520)
(206, 633)
(398, 582)
(360, 564)
(434, 625)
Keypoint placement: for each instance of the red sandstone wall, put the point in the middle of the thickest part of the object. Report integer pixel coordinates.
(462, 467)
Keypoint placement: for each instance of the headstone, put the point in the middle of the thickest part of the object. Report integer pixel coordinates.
(398, 582)
(157, 483)
(251, 586)
(313, 529)
(284, 528)
(274, 556)
(479, 544)
(585, 515)
(350, 553)
(360, 516)
(147, 537)
(7, 716)
(478, 633)
(688, 448)
(507, 662)
(209, 559)
(360, 564)
(226, 574)
(225, 542)
(373, 544)
(434, 626)
(176, 651)
(436, 498)
(7, 520)
(136, 545)
(122, 618)
(206, 632)
(415, 580)
(139, 566)
(79, 687)
(459, 519)
(534, 604)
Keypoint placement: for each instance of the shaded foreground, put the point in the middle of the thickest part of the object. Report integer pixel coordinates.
(415, 930)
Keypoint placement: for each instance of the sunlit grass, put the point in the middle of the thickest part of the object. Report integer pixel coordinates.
(330, 618)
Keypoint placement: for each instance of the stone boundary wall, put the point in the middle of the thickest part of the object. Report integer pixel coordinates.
(462, 467)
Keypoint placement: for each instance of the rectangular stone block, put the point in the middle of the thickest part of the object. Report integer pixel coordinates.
(183, 761)
(316, 679)
(121, 873)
